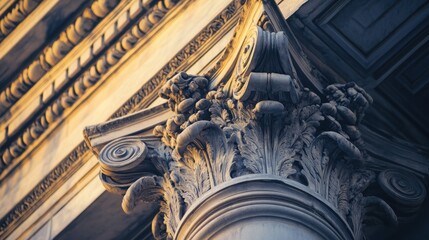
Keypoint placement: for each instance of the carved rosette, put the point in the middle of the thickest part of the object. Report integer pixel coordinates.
(262, 122)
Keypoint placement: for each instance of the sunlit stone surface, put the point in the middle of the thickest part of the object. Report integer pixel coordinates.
(223, 119)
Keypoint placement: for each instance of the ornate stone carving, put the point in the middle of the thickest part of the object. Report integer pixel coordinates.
(76, 158)
(405, 192)
(260, 121)
(177, 63)
(265, 122)
(16, 15)
(54, 53)
(18, 144)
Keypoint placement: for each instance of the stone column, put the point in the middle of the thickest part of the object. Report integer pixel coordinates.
(262, 207)
(249, 152)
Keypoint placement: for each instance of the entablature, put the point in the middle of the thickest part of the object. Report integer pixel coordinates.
(27, 187)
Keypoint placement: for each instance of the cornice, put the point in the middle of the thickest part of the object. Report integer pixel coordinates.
(15, 15)
(80, 57)
(76, 158)
(223, 22)
(81, 84)
(98, 135)
(53, 54)
(70, 164)
(6, 6)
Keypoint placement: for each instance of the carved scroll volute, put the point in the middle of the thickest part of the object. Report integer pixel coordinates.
(122, 154)
(118, 157)
(264, 69)
(264, 51)
(404, 191)
(122, 171)
(252, 11)
(137, 167)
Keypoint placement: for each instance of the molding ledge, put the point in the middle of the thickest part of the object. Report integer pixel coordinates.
(53, 54)
(75, 86)
(15, 15)
(185, 58)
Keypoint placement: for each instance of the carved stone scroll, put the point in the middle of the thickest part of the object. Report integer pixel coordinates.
(259, 149)
(405, 192)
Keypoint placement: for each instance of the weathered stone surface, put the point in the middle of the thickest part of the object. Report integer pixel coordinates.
(251, 152)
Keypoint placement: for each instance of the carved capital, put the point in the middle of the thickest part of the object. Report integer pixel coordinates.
(271, 126)
(259, 122)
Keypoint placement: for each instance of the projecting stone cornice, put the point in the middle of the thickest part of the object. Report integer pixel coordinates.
(80, 79)
(53, 54)
(184, 59)
(98, 135)
(386, 151)
(14, 16)
(249, 144)
(41, 26)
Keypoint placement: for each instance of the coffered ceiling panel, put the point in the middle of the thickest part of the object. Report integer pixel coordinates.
(380, 44)
(414, 74)
(367, 30)
(364, 35)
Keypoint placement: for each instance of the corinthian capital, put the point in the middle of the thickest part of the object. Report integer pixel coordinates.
(251, 135)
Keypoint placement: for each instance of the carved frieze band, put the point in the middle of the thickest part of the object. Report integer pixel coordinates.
(52, 54)
(74, 160)
(16, 15)
(16, 146)
(71, 163)
(176, 64)
(260, 120)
